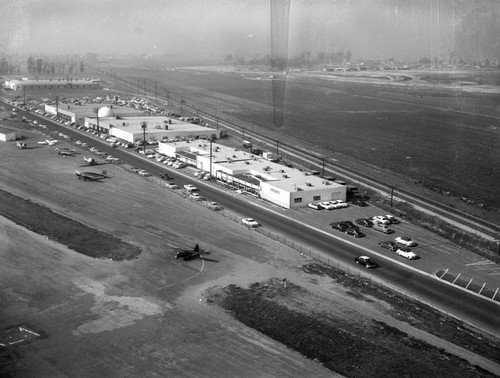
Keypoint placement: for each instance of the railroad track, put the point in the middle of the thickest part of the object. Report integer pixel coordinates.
(455, 216)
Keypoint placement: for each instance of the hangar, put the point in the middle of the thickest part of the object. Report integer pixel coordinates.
(283, 186)
(7, 134)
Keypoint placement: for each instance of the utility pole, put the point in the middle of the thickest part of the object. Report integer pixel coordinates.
(210, 159)
(277, 149)
(144, 125)
(243, 132)
(156, 94)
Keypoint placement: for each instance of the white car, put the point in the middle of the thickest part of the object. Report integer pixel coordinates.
(144, 173)
(190, 188)
(315, 205)
(171, 185)
(406, 241)
(381, 219)
(249, 222)
(195, 196)
(328, 205)
(338, 204)
(406, 253)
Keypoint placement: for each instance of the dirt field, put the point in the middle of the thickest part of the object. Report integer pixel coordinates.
(149, 316)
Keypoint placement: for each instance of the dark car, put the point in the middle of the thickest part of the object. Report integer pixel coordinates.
(365, 222)
(366, 261)
(354, 233)
(359, 203)
(339, 226)
(166, 176)
(350, 224)
(391, 246)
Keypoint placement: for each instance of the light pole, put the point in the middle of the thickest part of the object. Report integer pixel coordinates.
(144, 125)
(96, 111)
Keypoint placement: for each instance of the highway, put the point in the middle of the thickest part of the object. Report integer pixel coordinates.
(464, 305)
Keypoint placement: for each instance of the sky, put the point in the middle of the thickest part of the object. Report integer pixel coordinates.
(370, 29)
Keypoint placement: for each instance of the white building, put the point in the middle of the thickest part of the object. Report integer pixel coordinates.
(157, 127)
(7, 134)
(59, 84)
(78, 113)
(286, 187)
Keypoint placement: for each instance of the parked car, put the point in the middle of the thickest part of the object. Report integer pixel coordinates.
(315, 206)
(338, 204)
(195, 196)
(391, 246)
(250, 222)
(171, 185)
(190, 188)
(350, 224)
(365, 222)
(166, 176)
(366, 261)
(354, 233)
(339, 226)
(380, 219)
(406, 241)
(406, 253)
(392, 219)
(328, 205)
(214, 206)
(359, 203)
(382, 228)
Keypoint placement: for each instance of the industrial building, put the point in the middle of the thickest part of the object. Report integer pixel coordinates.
(156, 128)
(283, 186)
(59, 84)
(77, 113)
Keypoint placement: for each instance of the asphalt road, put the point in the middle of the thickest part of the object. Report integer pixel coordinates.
(464, 305)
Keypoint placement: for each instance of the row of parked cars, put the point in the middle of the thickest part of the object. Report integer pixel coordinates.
(328, 205)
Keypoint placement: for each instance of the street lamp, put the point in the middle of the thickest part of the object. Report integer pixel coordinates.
(144, 125)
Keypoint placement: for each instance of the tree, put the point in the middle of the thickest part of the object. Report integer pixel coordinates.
(31, 65)
(39, 64)
(348, 55)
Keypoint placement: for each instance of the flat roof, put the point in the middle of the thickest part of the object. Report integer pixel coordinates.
(252, 167)
(53, 81)
(6, 130)
(133, 124)
(88, 110)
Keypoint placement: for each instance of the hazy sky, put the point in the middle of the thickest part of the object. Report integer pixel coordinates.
(368, 28)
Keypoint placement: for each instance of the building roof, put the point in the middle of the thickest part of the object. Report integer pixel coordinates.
(255, 168)
(134, 124)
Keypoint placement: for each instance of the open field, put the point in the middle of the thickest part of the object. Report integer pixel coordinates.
(436, 134)
(148, 316)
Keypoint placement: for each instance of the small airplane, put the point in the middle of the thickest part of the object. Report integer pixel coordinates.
(92, 176)
(21, 145)
(187, 254)
(89, 160)
(48, 141)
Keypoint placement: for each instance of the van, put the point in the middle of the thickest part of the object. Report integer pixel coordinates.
(247, 144)
(382, 228)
